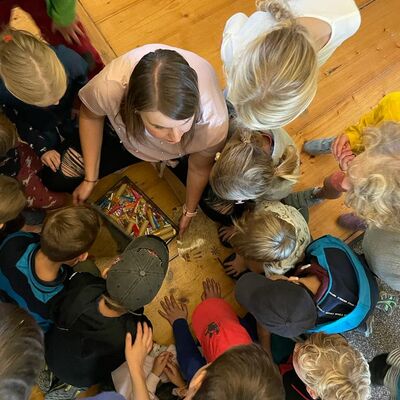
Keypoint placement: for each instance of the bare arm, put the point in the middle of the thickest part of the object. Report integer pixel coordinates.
(91, 136)
(198, 173)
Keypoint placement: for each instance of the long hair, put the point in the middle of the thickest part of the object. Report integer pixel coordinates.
(161, 81)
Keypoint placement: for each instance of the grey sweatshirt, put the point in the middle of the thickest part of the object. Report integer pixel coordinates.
(382, 251)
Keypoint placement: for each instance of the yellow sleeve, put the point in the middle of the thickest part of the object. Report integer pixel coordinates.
(388, 109)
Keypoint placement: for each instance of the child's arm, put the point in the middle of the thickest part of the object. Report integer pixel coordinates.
(189, 357)
(135, 354)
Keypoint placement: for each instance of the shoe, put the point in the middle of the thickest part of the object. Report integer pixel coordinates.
(351, 222)
(387, 302)
(306, 198)
(318, 146)
(64, 392)
(45, 379)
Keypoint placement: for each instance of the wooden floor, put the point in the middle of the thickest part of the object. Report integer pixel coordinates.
(363, 70)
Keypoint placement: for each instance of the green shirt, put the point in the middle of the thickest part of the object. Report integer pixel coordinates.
(62, 12)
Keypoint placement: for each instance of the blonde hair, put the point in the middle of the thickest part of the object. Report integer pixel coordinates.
(8, 135)
(375, 179)
(261, 235)
(275, 78)
(30, 69)
(244, 171)
(332, 368)
(12, 199)
(69, 232)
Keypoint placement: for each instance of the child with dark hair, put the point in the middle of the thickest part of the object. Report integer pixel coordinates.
(21, 352)
(93, 315)
(33, 268)
(232, 367)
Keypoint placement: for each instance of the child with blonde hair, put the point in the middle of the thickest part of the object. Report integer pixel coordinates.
(271, 58)
(271, 240)
(12, 202)
(58, 24)
(326, 367)
(19, 161)
(38, 89)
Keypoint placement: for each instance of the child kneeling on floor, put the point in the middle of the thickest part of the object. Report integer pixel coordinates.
(270, 239)
(34, 267)
(232, 367)
(93, 315)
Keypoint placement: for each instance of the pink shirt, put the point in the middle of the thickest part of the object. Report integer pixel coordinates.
(104, 93)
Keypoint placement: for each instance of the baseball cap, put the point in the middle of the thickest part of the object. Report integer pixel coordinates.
(135, 279)
(284, 308)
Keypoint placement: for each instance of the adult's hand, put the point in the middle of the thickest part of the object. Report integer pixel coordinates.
(184, 223)
(70, 32)
(52, 159)
(82, 192)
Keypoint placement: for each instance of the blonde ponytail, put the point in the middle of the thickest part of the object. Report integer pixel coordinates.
(288, 167)
(277, 8)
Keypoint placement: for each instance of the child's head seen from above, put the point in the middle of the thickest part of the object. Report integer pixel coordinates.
(136, 276)
(245, 169)
(68, 233)
(373, 178)
(30, 69)
(12, 199)
(8, 135)
(331, 369)
(242, 372)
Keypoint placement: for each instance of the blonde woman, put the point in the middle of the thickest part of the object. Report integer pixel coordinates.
(271, 57)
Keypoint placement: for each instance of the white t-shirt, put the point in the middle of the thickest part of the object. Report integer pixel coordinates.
(103, 95)
(240, 30)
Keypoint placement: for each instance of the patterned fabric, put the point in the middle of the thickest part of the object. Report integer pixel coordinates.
(294, 218)
(37, 194)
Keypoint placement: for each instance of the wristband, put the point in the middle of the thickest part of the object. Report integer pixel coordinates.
(87, 180)
(187, 213)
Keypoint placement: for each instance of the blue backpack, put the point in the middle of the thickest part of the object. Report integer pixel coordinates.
(352, 292)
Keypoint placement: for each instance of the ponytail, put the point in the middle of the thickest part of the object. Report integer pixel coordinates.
(277, 8)
(288, 167)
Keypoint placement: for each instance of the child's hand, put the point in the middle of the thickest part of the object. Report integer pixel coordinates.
(172, 310)
(52, 159)
(160, 362)
(236, 266)
(136, 353)
(226, 232)
(211, 289)
(174, 375)
(70, 32)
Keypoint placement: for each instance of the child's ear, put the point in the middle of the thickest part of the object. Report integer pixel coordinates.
(104, 272)
(312, 392)
(83, 257)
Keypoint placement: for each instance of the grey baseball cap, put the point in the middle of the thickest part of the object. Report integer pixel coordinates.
(135, 279)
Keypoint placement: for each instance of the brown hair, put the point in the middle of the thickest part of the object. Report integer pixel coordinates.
(242, 372)
(261, 235)
(21, 352)
(8, 135)
(12, 199)
(332, 368)
(30, 69)
(161, 81)
(244, 171)
(69, 232)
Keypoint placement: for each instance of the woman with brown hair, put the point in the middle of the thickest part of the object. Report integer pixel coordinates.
(163, 103)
